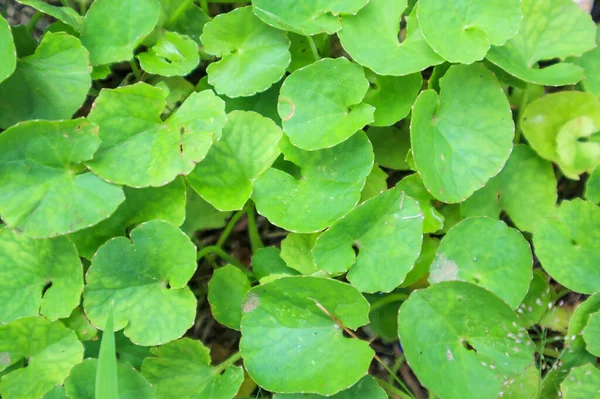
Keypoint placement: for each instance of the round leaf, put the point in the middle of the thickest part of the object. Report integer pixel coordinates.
(38, 277)
(525, 189)
(253, 54)
(146, 279)
(307, 17)
(226, 291)
(82, 381)
(462, 31)
(392, 96)
(247, 148)
(8, 52)
(568, 245)
(319, 113)
(582, 382)
(50, 350)
(114, 28)
(172, 55)
(52, 83)
(291, 341)
(329, 185)
(365, 388)
(463, 137)
(455, 333)
(42, 190)
(550, 29)
(146, 151)
(591, 334)
(371, 38)
(181, 369)
(387, 232)
(488, 253)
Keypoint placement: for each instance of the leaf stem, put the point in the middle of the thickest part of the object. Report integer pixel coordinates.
(204, 6)
(398, 297)
(33, 21)
(255, 241)
(313, 48)
(136, 70)
(391, 389)
(229, 228)
(230, 360)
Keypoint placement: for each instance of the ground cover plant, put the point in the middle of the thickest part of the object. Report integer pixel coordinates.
(298, 199)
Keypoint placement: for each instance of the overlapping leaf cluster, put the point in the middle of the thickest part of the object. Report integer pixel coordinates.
(434, 165)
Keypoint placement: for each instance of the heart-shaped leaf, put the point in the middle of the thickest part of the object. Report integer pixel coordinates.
(371, 37)
(471, 332)
(44, 189)
(147, 151)
(8, 52)
(387, 232)
(247, 148)
(146, 279)
(172, 55)
(328, 185)
(291, 339)
(319, 113)
(38, 277)
(463, 137)
(32, 92)
(253, 54)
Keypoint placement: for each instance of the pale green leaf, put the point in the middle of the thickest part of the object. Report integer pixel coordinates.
(582, 383)
(590, 62)
(296, 251)
(591, 334)
(226, 291)
(8, 52)
(172, 55)
(413, 186)
(81, 325)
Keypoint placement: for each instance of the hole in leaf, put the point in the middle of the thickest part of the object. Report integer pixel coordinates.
(468, 346)
(46, 287)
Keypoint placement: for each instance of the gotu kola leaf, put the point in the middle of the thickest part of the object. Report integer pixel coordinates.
(38, 276)
(146, 278)
(328, 187)
(253, 54)
(182, 369)
(44, 189)
(318, 113)
(592, 187)
(8, 52)
(50, 350)
(247, 148)
(66, 15)
(463, 137)
(550, 29)
(172, 55)
(591, 334)
(291, 339)
(472, 333)
(386, 231)
(365, 388)
(582, 382)
(226, 291)
(52, 83)
(139, 149)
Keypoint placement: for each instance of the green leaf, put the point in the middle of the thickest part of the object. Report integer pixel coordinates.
(147, 280)
(488, 253)
(550, 29)
(371, 37)
(300, 48)
(147, 151)
(424, 261)
(558, 126)
(58, 392)
(267, 264)
(265, 103)
(106, 378)
(591, 334)
(391, 146)
(253, 54)
(66, 15)
(329, 185)
(113, 28)
(247, 148)
(38, 277)
(226, 291)
(81, 325)
(24, 42)
(320, 113)
(44, 190)
(181, 369)
(455, 333)
(590, 62)
(185, 18)
(536, 301)
(525, 189)
(582, 382)
(80, 384)
(289, 342)
(376, 184)
(386, 231)
(365, 388)
(50, 350)
(392, 96)
(462, 31)
(8, 52)
(200, 215)
(413, 186)
(141, 205)
(32, 92)
(568, 246)
(306, 17)
(296, 251)
(592, 187)
(127, 352)
(172, 55)
(463, 137)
